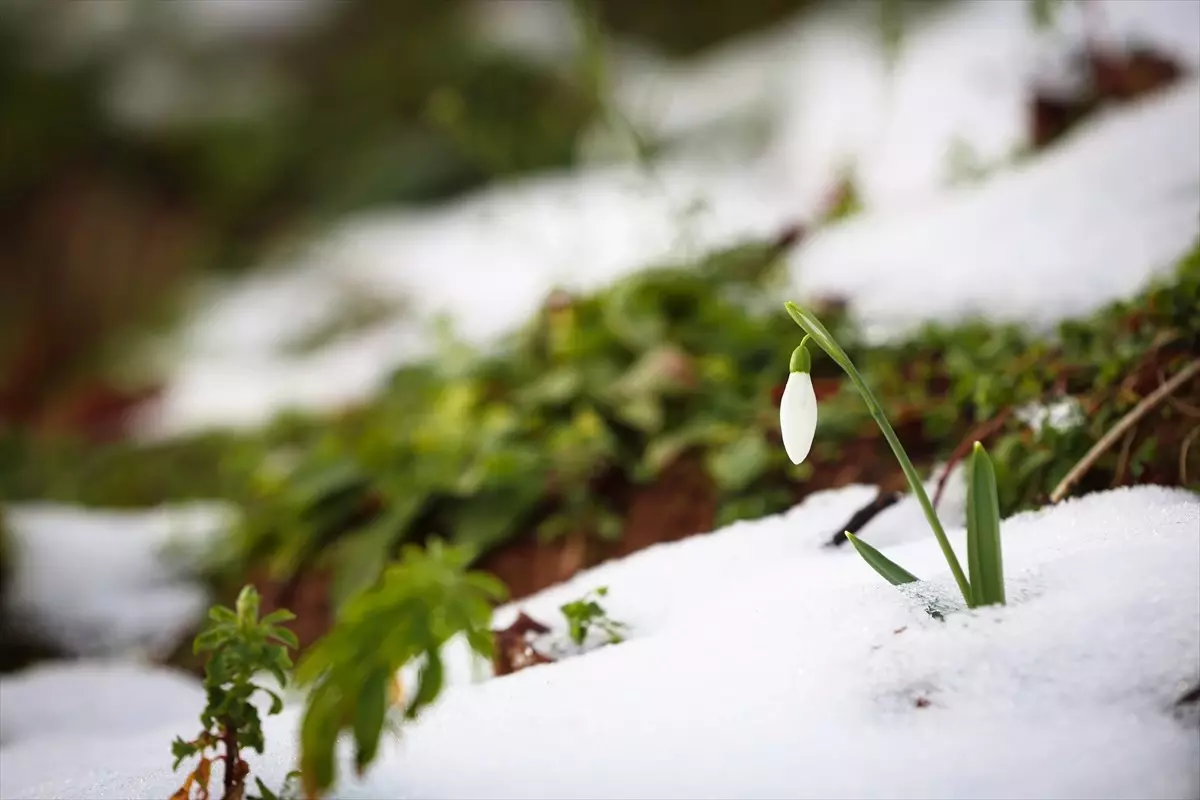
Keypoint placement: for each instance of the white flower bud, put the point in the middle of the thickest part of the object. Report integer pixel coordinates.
(798, 416)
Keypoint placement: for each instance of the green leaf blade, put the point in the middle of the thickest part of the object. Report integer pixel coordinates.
(892, 572)
(368, 719)
(984, 558)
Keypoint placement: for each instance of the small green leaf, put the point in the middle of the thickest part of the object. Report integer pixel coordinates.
(209, 640)
(181, 750)
(738, 464)
(247, 605)
(429, 683)
(481, 641)
(263, 792)
(984, 560)
(286, 636)
(276, 702)
(368, 719)
(892, 572)
(276, 617)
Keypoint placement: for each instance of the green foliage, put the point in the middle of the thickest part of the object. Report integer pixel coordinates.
(290, 790)
(813, 328)
(598, 393)
(984, 551)
(891, 572)
(479, 447)
(1044, 13)
(419, 604)
(586, 613)
(240, 646)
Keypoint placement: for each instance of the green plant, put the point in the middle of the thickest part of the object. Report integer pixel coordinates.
(798, 416)
(240, 646)
(586, 612)
(418, 605)
(600, 394)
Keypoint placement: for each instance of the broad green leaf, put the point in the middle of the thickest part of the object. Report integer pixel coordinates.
(276, 617)
(737, 465)
(326, 482)
(286, 636)
(644, 412)
(318, 736)
(358, 559)
(222, 614)
(209, 640)
(892, 572)
(369, 714)
(984, 560)
(429, 683)
(481, 641)
(487, 519)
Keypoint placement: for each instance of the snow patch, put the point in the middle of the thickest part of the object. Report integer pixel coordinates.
(100, 582)
(94, 699)
(763, 664)
(1084, 224)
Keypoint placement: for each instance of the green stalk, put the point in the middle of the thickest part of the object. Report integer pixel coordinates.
(813, 327)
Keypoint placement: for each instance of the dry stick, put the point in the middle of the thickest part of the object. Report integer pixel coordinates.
(980, 433)
(1117, 431)
(1183, 454)
(1123, 458)
(1179, 405)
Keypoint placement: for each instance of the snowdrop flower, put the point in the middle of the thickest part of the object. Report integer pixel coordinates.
(798, 408)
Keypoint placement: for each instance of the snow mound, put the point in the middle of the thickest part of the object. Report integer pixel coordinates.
(1083, 225)
(1070, 230)
(1078, 227)
(100, 582)
(763, 664)
(94, 698)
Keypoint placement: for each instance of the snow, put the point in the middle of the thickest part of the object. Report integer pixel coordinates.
(763, 664)
(98, 582)
(1071, 229)
(94, 699)
(1083, 225)
(760, 663)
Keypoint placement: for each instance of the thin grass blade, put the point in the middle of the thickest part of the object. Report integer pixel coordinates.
(984, 561)
(892, 572)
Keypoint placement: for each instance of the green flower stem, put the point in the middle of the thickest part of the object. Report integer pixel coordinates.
(813, 327)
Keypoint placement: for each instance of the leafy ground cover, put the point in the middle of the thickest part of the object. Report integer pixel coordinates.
(648, 412)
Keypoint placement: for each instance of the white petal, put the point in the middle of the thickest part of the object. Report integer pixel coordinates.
(798, 416)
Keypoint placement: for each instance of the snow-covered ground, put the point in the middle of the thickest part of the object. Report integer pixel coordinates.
(108, 583)
(1086, 222)
(762, 664)
(93, 698)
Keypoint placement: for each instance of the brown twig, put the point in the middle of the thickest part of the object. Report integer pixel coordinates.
(233, 763)
(883, 500)
(978, 434)
(1187, 409)
(1183, 454)
(1123, 458)
(1124, 424)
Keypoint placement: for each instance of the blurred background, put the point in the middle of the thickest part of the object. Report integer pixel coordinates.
(353, 273)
